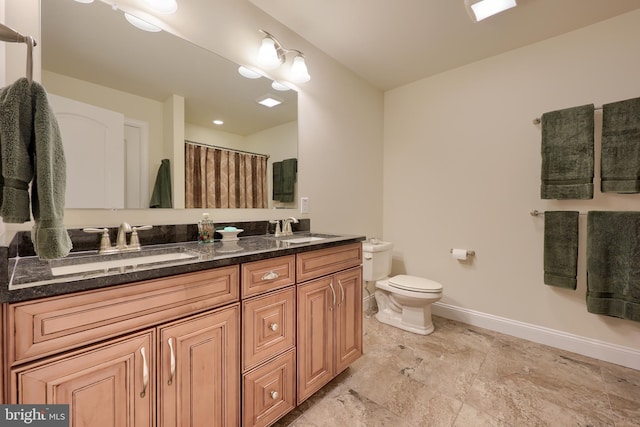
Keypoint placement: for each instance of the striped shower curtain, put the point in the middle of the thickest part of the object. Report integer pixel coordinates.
(219, 178)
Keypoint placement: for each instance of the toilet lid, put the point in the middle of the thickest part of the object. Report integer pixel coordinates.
(413, 283)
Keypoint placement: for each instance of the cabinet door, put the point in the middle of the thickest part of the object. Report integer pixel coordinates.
(348, 338)
(109, 386)
(315, 335)
(200, 371)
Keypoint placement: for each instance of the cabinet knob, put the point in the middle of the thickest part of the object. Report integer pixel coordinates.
(274, 395)
(274, 327)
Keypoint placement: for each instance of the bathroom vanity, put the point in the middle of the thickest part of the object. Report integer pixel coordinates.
(222, 339)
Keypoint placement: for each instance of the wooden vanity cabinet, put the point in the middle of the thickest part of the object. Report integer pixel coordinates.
(181, 368)
(268, 340)
(329, 316)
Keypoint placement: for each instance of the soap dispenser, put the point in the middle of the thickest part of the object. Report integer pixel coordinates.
(205, 229)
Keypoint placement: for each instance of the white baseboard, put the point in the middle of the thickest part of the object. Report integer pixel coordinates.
(601, 350)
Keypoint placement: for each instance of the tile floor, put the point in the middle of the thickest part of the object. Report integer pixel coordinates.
(462, 375)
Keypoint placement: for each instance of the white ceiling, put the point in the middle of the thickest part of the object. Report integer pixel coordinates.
(393, 42)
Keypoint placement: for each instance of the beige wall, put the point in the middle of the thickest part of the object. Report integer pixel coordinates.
(462, 170)
(340, 122)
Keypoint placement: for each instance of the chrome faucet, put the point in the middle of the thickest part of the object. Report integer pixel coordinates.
(286, 226)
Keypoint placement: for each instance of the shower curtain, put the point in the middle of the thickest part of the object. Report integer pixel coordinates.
(220, 178)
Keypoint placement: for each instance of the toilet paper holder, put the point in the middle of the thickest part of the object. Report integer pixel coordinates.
(469, 252)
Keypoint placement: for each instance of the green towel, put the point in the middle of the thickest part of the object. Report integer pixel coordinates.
(277, 180)
(289, 175)
(16, 133)
(49, 235)
(32, 151)
(161, 196)
(561, 248)
(567, 153)
(620, 160)
(613, 264)
(284, 180)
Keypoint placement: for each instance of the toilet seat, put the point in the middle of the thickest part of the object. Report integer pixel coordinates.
(414, 284)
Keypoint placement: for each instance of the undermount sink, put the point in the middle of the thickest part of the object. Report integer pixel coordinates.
(302, 239)
(299, 238)
(123, 261)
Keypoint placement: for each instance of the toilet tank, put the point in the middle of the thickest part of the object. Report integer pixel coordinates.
(376, 262)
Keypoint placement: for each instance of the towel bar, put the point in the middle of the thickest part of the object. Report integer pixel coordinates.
(536, 212)
(537, 120)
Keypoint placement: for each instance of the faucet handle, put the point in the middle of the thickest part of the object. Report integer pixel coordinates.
(105, 242)
(278, 231)
(134, 242)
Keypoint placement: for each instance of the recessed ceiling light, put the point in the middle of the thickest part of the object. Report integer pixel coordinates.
(248, 73)
(269, 101)
(217, 122)
(280, 86)
(482, 9)
(141, 24)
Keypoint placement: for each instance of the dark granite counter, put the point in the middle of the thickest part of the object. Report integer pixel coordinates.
(31, 278)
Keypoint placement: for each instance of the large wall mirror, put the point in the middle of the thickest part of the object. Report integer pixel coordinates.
(162, 90)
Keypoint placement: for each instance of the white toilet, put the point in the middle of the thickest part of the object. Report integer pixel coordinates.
(403, 301)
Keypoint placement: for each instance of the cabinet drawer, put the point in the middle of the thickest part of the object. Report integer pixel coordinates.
(326, 261)
(268, 391)
(268, 326)
(56, 324)
(267, 275)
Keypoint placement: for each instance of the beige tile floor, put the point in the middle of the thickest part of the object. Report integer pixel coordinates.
(462, 375)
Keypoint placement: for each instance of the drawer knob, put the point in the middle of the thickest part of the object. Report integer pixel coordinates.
(272, 275)
(274, 395)
(274, 327)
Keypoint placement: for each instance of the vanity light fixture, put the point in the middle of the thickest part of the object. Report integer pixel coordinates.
(163, 6)
(272, 54)
(269, 101)
(481, 9)
(141, 24)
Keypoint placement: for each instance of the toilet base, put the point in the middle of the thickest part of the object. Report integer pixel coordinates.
(412, 319)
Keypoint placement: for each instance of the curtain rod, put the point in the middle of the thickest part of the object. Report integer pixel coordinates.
(225, 148)
(537, 120)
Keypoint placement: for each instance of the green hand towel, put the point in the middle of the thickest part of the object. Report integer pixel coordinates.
(567, 153)
(561, 248)
(49, 235)
(277, 180)
(16, 133)
(613, 264)
(161, 196)
(620, 160)
(289, 176)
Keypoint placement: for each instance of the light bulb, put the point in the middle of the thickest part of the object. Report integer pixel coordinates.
(268, 55)
(299, 72)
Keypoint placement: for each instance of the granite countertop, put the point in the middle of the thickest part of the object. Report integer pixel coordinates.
(31, 278)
